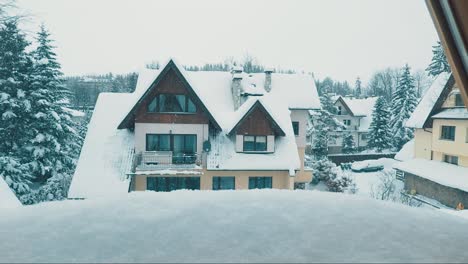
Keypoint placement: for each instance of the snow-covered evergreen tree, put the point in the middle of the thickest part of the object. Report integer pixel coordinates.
(53, 146)
(349, 146)
(327, 103)
(380, 137)
(358, 89)
(15, 106)
(404, 102)
(439, 62)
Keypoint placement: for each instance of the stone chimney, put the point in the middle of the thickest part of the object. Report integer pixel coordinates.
(236, 86)
(268, 72)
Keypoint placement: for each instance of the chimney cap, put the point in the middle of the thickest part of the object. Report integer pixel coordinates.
(268, 70)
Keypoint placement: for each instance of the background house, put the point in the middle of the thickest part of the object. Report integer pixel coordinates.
(356, 115)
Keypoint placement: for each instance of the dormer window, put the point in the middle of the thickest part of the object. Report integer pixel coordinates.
(172, 103)
(458, 100)
(255, 143)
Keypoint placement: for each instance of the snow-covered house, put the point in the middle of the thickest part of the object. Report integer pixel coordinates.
(356, 115)
(198, 130)
(439, 169)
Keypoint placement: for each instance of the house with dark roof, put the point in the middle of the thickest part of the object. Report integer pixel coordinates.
(439, 169)
(202, 130)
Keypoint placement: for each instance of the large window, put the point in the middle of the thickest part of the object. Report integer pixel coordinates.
(451, 159)
(260, 182)
(224, 183)
(171, 142)
(295, 125)
(255, 143)
(172, 103)
(448, 133)
(167, 184)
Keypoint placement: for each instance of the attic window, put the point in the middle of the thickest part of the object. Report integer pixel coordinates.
(172, 103)
(458, 100)
(255, 143)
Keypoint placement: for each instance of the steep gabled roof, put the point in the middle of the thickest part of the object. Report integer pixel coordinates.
(127, 122)
(431, 102)
(248, 107)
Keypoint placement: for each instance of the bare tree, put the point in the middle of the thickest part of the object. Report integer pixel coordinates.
(422, 82)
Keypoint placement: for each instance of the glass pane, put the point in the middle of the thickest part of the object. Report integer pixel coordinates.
(191, 106)
(249, 138)
(172, 183)
(182, 183)
(152, 105)
(190, 144)
(227, 183)
(268, 183)
(180, 103)
(162, 103)
(252, 182)
(249, 143)
(216, 183)
(164, 143)
(161, 185)
(260, 144)
(152, 142)
(151, 183)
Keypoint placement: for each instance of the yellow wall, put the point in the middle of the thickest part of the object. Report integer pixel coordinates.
(280, 179)
(459, 147)
(425, 142)
(302, 175)
(422, 144)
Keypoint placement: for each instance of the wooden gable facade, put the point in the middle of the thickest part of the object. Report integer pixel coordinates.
(169, 82)
(257, 121)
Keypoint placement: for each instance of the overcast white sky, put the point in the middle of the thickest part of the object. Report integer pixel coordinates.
(341, 39)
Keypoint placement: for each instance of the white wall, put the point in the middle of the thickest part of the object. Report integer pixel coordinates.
(301, 116)
(141, 129)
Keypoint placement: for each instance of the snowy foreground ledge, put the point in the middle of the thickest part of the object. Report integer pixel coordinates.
(230, 226)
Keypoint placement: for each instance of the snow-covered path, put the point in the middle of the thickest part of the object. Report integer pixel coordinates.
(234, 226)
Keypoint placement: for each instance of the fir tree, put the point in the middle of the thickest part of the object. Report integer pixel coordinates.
(349, 145)
(327, 103)
(404, 102)
(53, 145)
(439, 62)
(380, 137)
(15, 71)
(358, 89)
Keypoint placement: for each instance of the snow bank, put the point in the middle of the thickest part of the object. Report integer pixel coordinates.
(406, 152)
(7, 198)
(231, 226)
(424, 108)
(443, 173)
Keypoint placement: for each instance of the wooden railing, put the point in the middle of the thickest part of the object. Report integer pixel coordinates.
(165, 159)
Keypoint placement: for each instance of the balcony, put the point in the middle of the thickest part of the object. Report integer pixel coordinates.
(166, 160)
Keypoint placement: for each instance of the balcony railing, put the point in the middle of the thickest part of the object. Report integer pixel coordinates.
(154, 160)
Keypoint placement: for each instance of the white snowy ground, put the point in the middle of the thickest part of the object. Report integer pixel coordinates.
(231, 226)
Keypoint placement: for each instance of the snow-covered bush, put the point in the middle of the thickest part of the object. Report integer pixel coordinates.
(349, 146)
(327, 172)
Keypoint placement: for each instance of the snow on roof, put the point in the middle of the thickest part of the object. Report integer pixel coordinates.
(106, 152)
(73, 112)
(406, 152)
(7, 198)
(224, 156)
(362, 107)
(452, 113)
(425, 106)
(443, 173)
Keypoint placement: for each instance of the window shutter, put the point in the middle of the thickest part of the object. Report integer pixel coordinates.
(271, 143)
(239, 143)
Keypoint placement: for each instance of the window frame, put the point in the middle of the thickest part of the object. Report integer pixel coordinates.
(255, 143)
(295, 125)
(451, 159)
(171, 141)
(447, 136)
(168, 184)
(157, 108)
(260, 179)
(218, 185)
